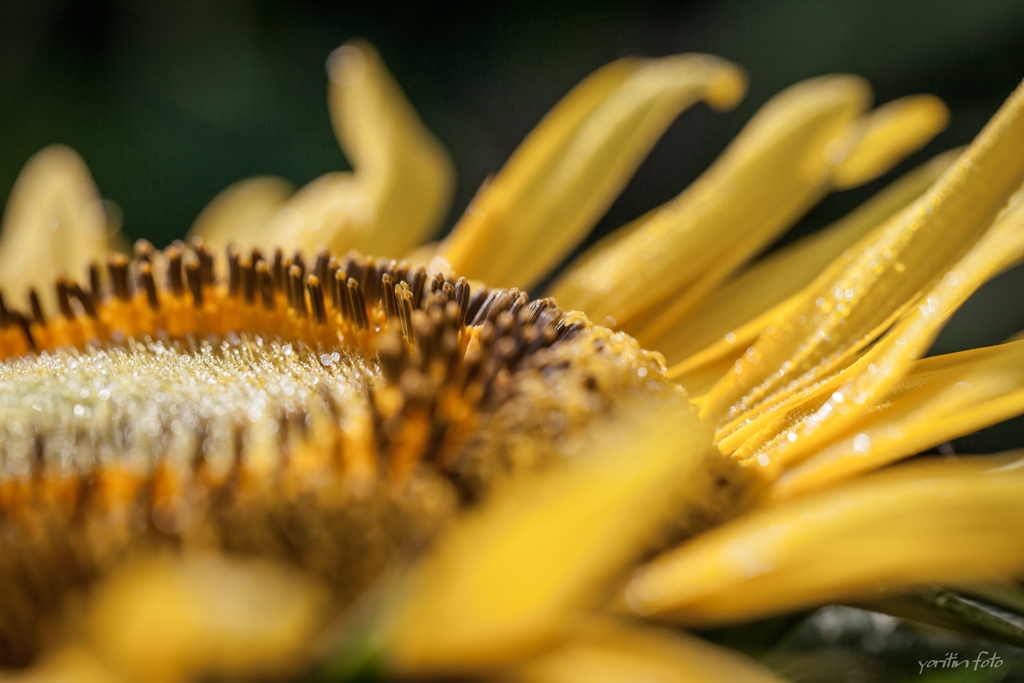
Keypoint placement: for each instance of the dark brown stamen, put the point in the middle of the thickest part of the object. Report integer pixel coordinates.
(462, 299)
(357, 303)
(96, 282)
(149, 285)
(316, 299)
(37, 310)
(340, 294)
(323, 257)
(117, 268)
(63, 301)
(289, 290)
(266, 285)
(234, 277)
(419, 279)
(194, 278)
(85, 298)
(390, 301)
(298, 291)
(174, 271)
(248, 276)
(205, 261)
(278, 272)
(404, 295)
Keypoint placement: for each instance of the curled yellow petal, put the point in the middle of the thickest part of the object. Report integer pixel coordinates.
(573, 165)
(242, 213)
(732, 316)
(401, 166)
(398, 193)
(767, 177)
(607, 651)
(511, 577)
(932, 522)
(893, 131)
(869, 287)
(54, 224)
(941, 398)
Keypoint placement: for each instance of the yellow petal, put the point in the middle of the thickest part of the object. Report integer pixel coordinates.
(509, 578)
(931, 522)
(893, 131)
(869, 287)
(873, 154)
(573, 165)
(767, 177)
(941, 398)
(607, 651)
(840, 402)
(398, 162)
(241, 213)
(403, 179)
(185, 618)
(745, 306)
(54, 224)
(699, 380)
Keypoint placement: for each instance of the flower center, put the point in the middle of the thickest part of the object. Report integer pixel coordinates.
(330, 416)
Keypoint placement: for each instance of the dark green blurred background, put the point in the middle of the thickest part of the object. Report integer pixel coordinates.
(169, 101)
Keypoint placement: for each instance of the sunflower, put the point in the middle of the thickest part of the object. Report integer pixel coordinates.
(265, 453)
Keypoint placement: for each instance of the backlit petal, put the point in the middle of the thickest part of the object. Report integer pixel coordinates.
(921, 523)
(398, 193)
(242, 213)
(568, 171)
(745, 306)
(940, 399)
(824, 412)
(893, 131)
(767, 177)
(54, 224)
(874, 283)
(401, 166)
(889, 133)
